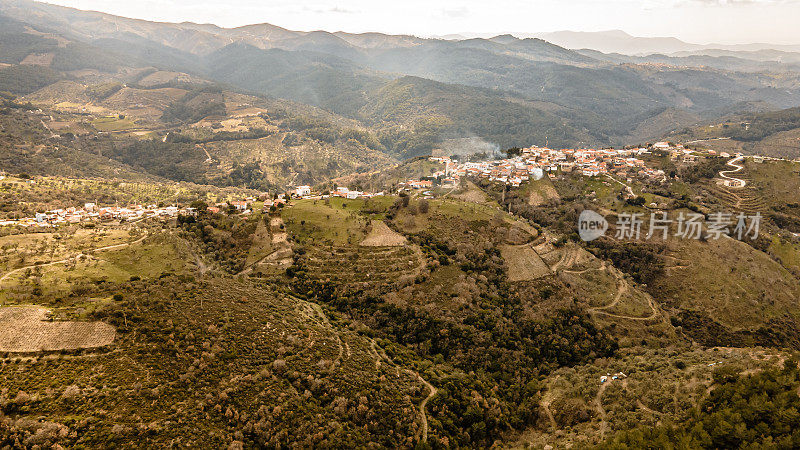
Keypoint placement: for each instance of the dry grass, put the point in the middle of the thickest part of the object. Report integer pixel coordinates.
(523, 263)
(24, 329)
(163, 77)
(38, 59)
(735, 284)
(381, 235)
(471, 193)
(541, 191)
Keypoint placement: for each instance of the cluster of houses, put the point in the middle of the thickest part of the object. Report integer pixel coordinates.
(341, 191)
(90, 212)
(427, 184)
(536, 162)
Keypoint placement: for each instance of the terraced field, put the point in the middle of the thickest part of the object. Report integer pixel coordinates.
(523, 263)
(380, 235)
(364, 267)
(733, 283)
(745, 199)
(25, 329)
(271, 252)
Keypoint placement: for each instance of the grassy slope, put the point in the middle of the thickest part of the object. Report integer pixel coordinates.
(335, 221)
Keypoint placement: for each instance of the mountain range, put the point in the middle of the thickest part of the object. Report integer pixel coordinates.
(618, 41)
(502, 89)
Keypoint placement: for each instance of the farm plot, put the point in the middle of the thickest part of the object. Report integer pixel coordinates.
(25, 329)
(381, 235)
(523, 263)
(364, 266)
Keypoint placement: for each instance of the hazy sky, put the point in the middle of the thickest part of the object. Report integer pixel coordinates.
(698, 21)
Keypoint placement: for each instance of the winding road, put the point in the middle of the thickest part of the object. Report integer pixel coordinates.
(737, 168)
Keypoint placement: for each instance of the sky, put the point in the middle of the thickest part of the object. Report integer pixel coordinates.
(696, 21)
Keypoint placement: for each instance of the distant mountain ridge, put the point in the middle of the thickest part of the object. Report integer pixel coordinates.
(508, 90)
(618, 41)
(200, 39)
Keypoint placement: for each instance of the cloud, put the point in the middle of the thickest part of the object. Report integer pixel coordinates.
(337, 9)
(334, 10)
(455, 13)
(734, 2)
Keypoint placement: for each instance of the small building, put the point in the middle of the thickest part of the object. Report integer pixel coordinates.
(731, 183)
(449, 182)
(302, 191)
(421, 184)
(591, 172)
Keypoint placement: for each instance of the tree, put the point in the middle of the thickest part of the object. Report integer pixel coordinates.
(513, 151)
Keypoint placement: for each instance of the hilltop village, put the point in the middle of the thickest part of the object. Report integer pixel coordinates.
(93, 213)
(521, 165)
(533, 163)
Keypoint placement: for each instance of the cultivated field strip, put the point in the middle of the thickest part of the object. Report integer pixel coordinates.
(364, 265)
(25, 329)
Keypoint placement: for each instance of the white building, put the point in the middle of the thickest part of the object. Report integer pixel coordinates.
(302, 191)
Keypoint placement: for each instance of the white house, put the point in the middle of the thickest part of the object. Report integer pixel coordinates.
(591, 172)
(302, 191)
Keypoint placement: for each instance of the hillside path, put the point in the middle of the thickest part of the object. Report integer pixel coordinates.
(622, 288)
(79, 255)
(432, 391)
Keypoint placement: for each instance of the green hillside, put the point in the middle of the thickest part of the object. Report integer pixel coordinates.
(771, 133)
